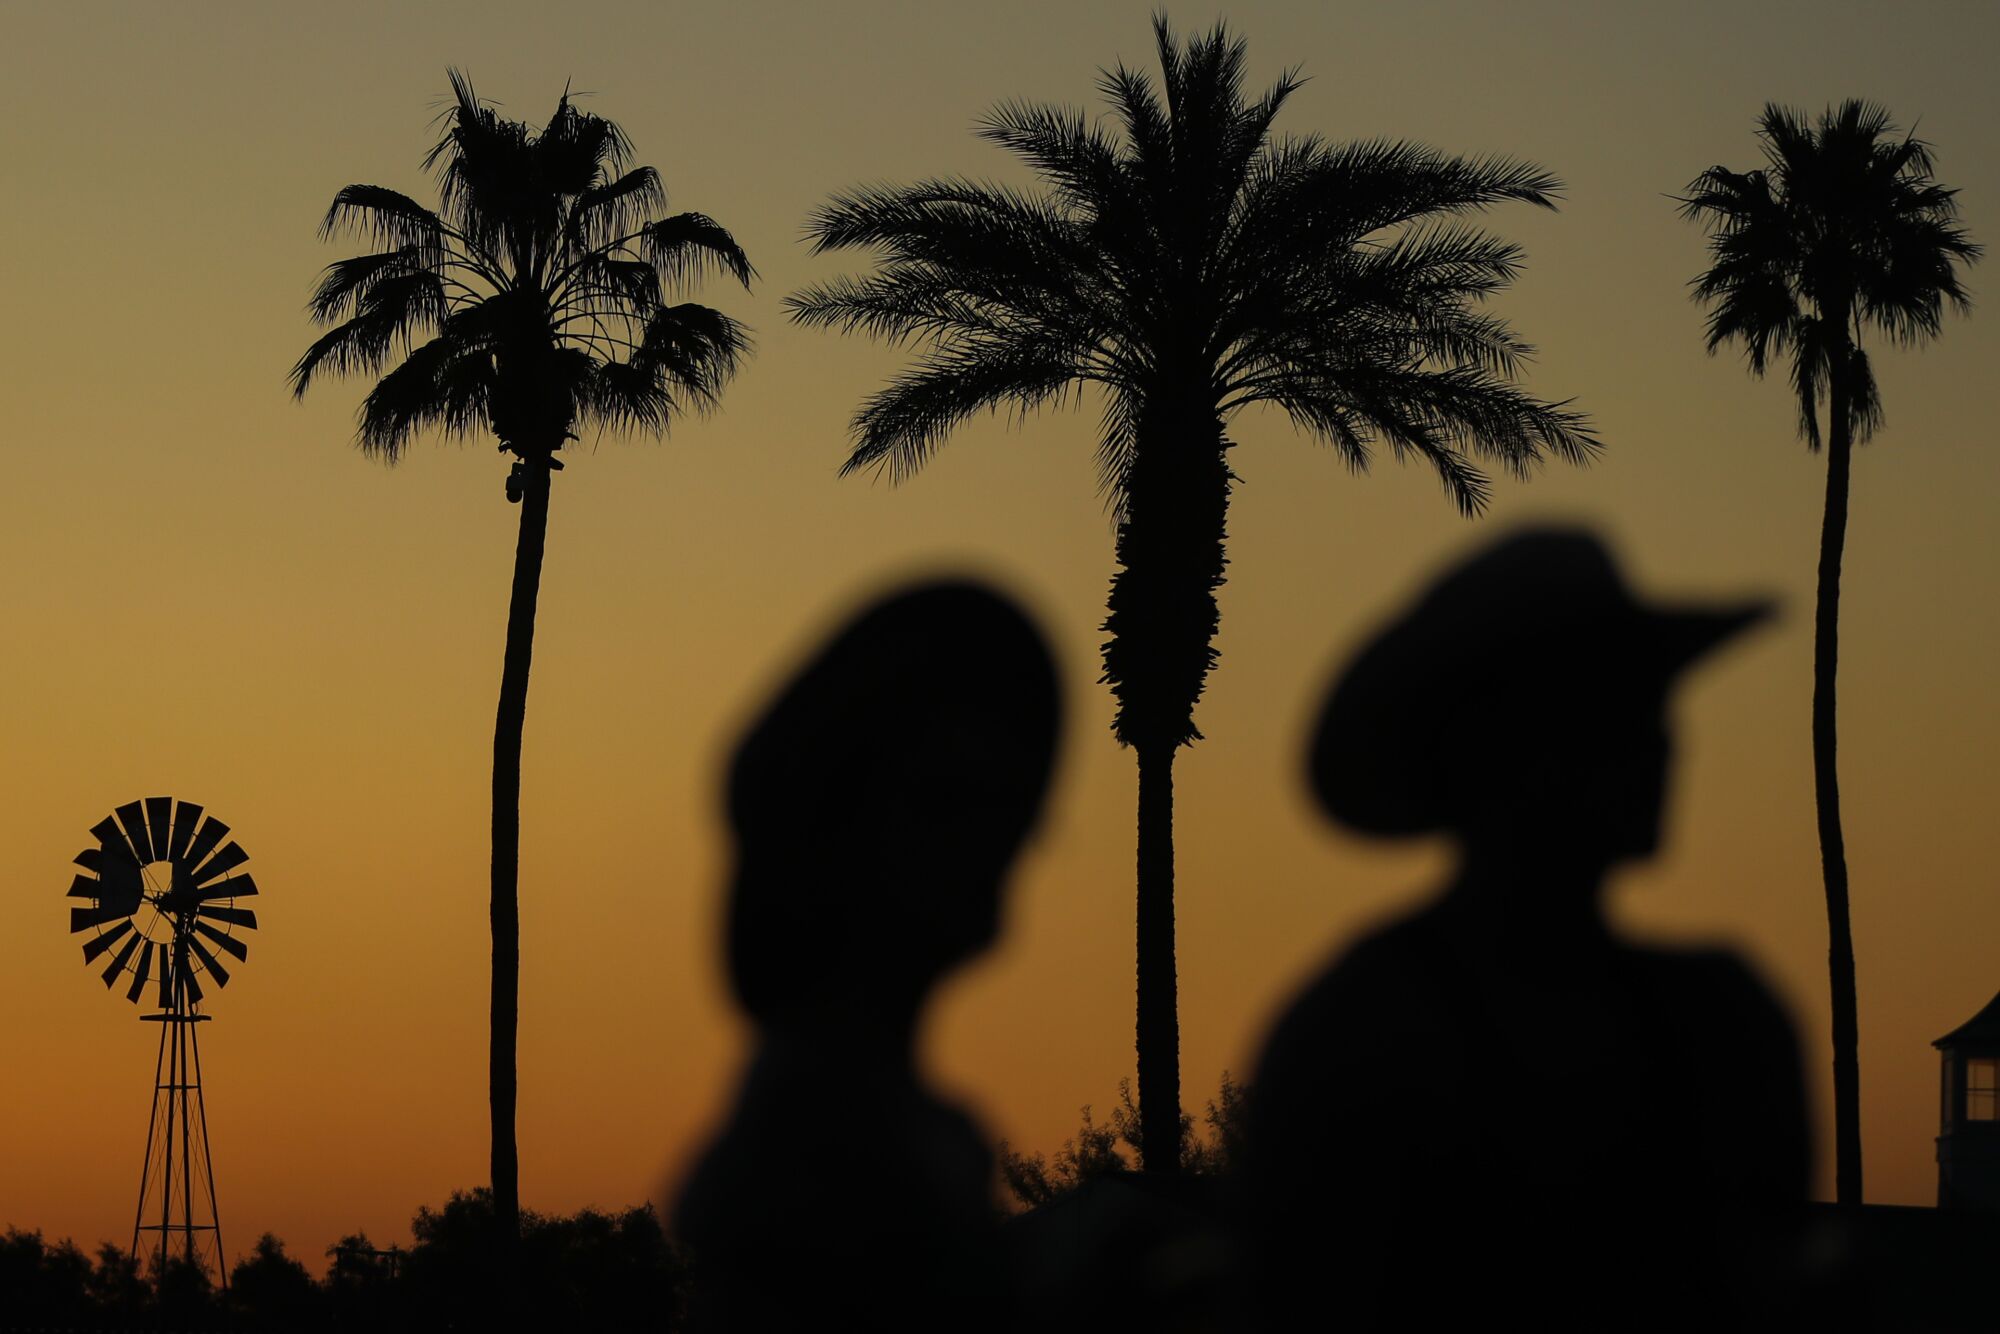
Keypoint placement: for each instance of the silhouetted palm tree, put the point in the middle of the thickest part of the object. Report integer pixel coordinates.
(1844, 229)
(1190, 266)
(532, 302)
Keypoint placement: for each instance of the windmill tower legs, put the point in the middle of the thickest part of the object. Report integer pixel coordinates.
(178, 1181)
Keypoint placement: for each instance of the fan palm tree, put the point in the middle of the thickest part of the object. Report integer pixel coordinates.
(1843, 230)
(1187, 265)
(531, 303)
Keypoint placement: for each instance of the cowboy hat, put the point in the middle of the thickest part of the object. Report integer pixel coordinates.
(1532, 633)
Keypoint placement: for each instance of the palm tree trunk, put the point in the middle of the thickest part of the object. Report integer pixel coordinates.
(506, 906)
(1159, 1031)
(1162, 621)
(1826, 790)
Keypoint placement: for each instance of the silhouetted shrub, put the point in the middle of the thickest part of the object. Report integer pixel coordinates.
(269, 1289)
(42, 1284)
(588, 1270)
(1101, 1149)
(118, 1294)
(183, 1297)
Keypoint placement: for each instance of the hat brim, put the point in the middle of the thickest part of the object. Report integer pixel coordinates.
(1684, 635)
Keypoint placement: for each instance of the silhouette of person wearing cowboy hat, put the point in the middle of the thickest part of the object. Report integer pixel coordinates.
(1494, 1108)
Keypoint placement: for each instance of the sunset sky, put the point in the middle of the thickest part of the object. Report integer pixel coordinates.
(210, 593)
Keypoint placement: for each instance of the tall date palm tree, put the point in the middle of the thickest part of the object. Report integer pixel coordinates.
(1187, 265)
(531, 303)
(1844, 229)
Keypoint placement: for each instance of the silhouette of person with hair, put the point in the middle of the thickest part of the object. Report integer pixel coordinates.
(877, 807)
(1494, 1108)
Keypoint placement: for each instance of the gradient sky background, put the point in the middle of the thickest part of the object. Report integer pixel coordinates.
(210, 593)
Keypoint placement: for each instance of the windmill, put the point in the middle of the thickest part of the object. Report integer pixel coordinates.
(160, 890)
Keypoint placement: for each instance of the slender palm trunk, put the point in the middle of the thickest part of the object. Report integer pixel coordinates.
(1159, 1025)
(506, 906)
(1826, 790)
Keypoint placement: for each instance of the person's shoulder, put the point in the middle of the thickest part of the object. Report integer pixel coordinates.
(1387, 959)
(1706, 965)
(1372, 991)
(1713, 981)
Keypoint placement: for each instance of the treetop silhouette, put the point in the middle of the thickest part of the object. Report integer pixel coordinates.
(533, 301)
(1183, 263)
(1845, 229)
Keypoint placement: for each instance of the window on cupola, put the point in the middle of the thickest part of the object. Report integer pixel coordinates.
(1982, 1089)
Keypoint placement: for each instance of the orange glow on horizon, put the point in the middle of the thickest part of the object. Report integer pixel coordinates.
(212, 594)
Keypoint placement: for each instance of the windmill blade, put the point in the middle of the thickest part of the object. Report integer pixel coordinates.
(193, 987)
(117, 964)
(159, 823)
(82, 919)
(204, 843)
(118, 892)
(234, 916)
(97, 945)
(139, 979)
(111, 841)
(122, 882)
(134, 821)
(223, 862)
(224, 941)
(235, 887)
(90, 859)
(185, 819)
(209, 962)
(166, 980)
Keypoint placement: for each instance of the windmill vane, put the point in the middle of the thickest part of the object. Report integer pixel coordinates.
(159, 893)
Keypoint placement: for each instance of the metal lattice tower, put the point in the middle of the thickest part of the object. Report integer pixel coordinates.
(163, 886)
(178, 1173)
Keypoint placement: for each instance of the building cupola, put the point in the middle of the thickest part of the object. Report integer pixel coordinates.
(1968, 1146)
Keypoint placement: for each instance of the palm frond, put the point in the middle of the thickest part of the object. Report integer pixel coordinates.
(540, 277)
(603, 213)
(1457, 409)
(688, 245)
(1191, 228)
(1117, 448)
(487, 179)
(346, 281)
(439, 384)
(910, 301)
(899, 427)
(392, 312)
(1864, 404)
(1811, 358)
(384, 217)
(576, 151)
(604, 283)
(1079, 162)
(942, 220)
(1845, 228)
(625, 396)
(981, 256)
(694, 347)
